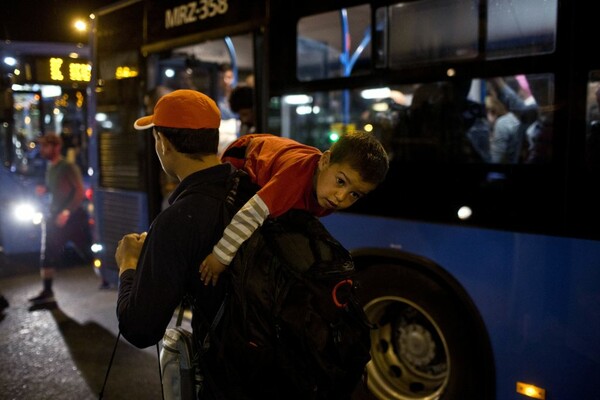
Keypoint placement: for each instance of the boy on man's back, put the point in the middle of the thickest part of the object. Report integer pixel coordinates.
(292, 175)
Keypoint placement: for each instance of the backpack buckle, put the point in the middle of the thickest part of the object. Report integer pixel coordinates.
(334, 293)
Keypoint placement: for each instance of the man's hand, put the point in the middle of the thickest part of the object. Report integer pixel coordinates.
(40, 190)
(210, 269)
(128, 251)
(62, 218)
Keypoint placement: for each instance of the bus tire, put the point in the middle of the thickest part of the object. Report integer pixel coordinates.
(430, 341)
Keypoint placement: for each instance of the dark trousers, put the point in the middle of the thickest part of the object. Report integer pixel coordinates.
(76, 230)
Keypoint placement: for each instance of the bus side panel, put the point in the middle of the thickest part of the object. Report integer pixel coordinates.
(519, 283)
(16, 236)
(122, 212)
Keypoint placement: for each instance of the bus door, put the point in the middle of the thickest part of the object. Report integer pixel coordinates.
(27, 114)
(214, 67)
(212, 47)
(145, 50)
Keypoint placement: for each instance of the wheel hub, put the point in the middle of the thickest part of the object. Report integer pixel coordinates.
(416, 345)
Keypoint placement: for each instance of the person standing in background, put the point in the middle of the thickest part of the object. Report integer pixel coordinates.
(66, 221)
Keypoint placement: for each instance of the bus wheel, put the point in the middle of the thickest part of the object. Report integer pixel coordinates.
(429, 342)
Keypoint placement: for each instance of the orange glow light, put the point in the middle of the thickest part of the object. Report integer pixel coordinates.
(532, 391)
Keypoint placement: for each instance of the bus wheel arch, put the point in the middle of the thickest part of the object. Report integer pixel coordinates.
(430, 341)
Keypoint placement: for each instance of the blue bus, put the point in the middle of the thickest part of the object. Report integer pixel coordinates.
(479, 256)
(43, 89)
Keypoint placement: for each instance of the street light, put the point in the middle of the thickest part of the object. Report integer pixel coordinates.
(80, 25)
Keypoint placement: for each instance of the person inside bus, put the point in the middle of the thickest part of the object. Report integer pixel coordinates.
(535, 128)
(226, 85)
(241, 101)
(505, 141)
(441, 124)
(67, 220)
(292, 175)
(592, 141)
(249, 80)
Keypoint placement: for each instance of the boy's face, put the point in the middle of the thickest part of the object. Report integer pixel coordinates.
(338, 185)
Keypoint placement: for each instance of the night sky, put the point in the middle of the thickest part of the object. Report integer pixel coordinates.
(45, 20)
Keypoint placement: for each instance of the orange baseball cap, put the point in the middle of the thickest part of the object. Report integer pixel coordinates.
(183, 109)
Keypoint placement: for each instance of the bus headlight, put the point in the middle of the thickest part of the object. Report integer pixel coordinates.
(26, 212)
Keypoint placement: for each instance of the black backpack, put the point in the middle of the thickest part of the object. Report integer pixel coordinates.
(182, 367)
(292, 325)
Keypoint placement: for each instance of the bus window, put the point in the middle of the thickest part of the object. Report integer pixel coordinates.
(334, 44)
(27, 128)
(443, 30)
(431, 30)
(120, 164)
(121, 159)
(213, 67)
(520, 118)
(520, 28)
(435, 122)
(314, 118)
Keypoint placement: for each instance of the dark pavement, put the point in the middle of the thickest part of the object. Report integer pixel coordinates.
(63, 353)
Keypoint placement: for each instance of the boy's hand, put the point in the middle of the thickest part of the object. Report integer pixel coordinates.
(210, 269)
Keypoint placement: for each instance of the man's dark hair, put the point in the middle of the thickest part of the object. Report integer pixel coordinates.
(225, 67)
(196, 143)
(364, 153)
(241, 97)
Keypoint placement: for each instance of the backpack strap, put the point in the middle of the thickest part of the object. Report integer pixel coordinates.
(211, 330)
(112, 357)
(238, 191)
(180, 314)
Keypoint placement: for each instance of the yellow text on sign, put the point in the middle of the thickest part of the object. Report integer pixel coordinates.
(55, 72)
(77, 72)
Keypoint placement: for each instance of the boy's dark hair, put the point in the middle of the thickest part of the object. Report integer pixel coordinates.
(364, 153)
(241, 97)
(196, 143)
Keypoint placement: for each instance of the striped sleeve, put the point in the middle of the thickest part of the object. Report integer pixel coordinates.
(242, 225)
